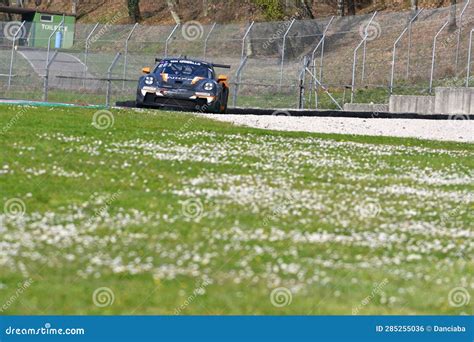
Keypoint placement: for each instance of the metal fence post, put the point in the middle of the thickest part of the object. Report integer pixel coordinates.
(458, 44)
(324, 88)
(86, 53)
(168, 39)
(283, 51)
(354, 62)
(13, 54)
(321, 62)
(46, 76)
(392, 76)
(126, 54)
(366, 34)
(245, 37)
(109, 78)
(320, 43)
(469, 59)
(433, 57)
(410, 25)
(207, 39)
(302, 77)
(49, 40)
(238, 80)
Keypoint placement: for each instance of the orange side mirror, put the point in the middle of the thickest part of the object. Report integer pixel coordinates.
(146, 70)
(222, 78)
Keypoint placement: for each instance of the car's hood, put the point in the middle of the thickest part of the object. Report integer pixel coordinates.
(180, 81)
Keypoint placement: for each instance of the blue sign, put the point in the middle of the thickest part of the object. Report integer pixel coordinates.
(238, 328)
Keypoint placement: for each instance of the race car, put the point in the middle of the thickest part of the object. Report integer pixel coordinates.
(183, 83)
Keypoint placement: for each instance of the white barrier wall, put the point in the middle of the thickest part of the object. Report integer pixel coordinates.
(412, 104)
(454, 101)
(450, 101)
(366, 107)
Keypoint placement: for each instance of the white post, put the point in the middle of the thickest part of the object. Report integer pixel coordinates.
(168, 39)
(13, 54)
(458, 45)
(469, 59)
(86, 53)
(126, 54)
(433, 57)
(283, 51)
(245, 37)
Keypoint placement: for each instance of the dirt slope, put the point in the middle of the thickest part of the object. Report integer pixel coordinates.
(158, 11)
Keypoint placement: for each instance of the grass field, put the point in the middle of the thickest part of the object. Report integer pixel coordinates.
(169, 213)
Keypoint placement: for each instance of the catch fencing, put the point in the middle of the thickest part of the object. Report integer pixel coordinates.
(320, 63)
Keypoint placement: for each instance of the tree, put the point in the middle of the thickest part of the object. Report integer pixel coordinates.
(414, 5)
(340, 8)
(306, 7)
(134, 10)
(452, 16)
(351, 9)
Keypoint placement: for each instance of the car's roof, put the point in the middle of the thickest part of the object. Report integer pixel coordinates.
(185, 61)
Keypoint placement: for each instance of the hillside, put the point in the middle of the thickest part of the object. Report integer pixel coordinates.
(160, 12)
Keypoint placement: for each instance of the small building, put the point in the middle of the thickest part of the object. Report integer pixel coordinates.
(39, 24)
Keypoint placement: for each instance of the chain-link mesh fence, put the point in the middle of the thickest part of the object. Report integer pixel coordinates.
(347, 57)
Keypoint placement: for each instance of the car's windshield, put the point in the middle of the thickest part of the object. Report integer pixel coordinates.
(186, 69)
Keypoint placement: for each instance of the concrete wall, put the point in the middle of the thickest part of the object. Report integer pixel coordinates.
(366, 107)
(454, 101)
(412, 104)
(448, 101)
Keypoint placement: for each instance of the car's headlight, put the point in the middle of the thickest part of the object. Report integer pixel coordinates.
(208, 86)
(149, 80)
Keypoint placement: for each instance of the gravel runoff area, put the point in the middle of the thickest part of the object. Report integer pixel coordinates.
(447, 130)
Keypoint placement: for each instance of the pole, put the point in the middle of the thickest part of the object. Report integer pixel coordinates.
(109, 76)
(322, 50)
(354, 63)
(320, 43)
(302, 77)
(366, 34)
(469, 58)
(207, 39)
(125, 57)
(86, 53)
(239, 79)
(392, 76)
(245, 37)
(49, 40)
(458, 44)
(168, 39)
(324, 88)
(46, 77)
(283, 51)
(433, 57)
(13, 54)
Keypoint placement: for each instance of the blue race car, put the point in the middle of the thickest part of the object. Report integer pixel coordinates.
(183, 83)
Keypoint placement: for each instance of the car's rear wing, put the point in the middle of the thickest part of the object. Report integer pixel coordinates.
(225, 66)
(215, 65)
